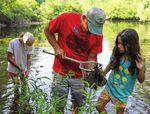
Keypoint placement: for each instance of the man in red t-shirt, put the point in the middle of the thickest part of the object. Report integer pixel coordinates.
(79, 37)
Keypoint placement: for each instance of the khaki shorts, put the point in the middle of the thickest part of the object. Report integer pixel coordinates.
(60, 90)
(106, 96)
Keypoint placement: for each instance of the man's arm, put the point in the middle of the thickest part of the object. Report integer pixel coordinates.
(92, 57)
(52, 40)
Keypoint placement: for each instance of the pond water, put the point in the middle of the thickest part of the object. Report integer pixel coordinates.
(138, 103)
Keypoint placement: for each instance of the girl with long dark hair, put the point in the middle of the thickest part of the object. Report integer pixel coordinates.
(127, 66)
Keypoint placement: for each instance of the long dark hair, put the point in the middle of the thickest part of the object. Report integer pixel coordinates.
(130, 40)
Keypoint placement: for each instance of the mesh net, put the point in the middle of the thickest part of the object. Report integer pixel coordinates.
(93, 74)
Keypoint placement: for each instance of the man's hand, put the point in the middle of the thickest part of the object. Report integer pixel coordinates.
(60, 53)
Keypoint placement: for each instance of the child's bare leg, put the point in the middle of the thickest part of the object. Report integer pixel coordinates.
(101, 103)
(120, 110)
(74, 109)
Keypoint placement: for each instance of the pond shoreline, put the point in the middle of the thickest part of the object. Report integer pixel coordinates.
(29, 23)
(3, 25)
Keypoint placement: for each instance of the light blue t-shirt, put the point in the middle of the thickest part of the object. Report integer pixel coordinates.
(121, 83)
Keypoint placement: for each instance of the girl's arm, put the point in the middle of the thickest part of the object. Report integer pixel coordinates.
(108, 68)
(12, 61)
(29, 59)
(141, 75)
(140, 62)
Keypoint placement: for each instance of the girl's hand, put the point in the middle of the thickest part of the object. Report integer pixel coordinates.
(140, 62)
(23, 73)
(27, 72)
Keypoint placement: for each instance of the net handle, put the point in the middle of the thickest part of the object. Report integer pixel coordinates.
(74, 60)
(68, 58)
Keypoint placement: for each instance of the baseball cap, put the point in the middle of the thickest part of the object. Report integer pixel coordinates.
(96, 18)
(28, 37)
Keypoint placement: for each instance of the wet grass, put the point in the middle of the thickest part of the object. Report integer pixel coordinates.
(30, 98)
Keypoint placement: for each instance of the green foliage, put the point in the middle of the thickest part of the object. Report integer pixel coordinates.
(53, 8)
(3, 64)
(143, 11)
(40, 1)
(90, 104)
(32, 98)
(19, 10)
(24, 11)
(120, 9)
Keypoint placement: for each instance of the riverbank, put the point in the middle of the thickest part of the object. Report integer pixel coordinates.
(26, 24)
(20, 24)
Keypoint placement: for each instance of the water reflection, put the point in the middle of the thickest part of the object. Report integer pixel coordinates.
(42, 67)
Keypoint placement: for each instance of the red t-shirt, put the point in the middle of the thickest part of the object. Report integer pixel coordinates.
(76, 43)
